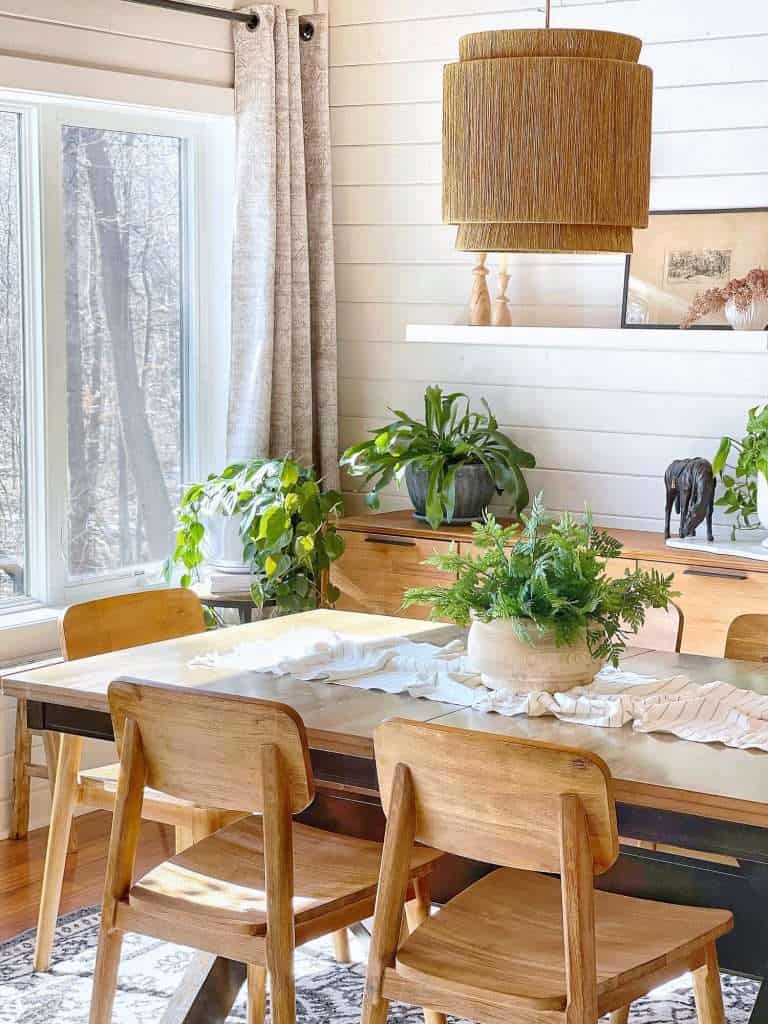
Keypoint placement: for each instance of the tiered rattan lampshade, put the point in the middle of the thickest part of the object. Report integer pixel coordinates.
(546, 141)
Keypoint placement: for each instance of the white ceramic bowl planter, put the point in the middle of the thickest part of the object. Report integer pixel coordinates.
(222, 545)
(506, 662)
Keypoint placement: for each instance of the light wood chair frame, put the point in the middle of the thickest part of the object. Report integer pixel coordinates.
(97, 627)
(281, 793)
(579, 861)
(25, 769)
(747, 638)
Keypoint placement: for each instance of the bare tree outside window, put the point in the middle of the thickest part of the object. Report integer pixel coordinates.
(12, 505)
(124, 345)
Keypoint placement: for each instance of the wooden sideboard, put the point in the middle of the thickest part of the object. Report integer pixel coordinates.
(385, 552)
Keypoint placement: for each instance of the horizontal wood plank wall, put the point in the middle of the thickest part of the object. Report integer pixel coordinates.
(604, 425)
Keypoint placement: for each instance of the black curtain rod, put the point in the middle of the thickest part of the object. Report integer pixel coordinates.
(251, 21)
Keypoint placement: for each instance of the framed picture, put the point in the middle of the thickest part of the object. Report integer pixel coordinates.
(684, 252)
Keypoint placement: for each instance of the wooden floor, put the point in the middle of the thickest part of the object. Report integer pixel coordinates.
(21, 869)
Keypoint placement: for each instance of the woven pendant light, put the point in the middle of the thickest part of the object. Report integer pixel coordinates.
(546, 141)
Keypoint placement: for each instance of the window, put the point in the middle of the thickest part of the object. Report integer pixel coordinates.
(103, 213)
(124, 268)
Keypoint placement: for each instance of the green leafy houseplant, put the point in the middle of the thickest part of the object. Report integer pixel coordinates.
(551, 581)
(739, 481)
(286, 526)
(451, 436)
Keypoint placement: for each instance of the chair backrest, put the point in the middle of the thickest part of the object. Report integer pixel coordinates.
(662, 630)
(207, 747)
(747, 638)
(129, 620)
(496, 798)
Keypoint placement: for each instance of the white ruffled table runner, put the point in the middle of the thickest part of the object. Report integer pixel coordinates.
(704, 713)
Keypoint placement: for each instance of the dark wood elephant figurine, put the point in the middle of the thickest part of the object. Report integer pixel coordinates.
(690, 485)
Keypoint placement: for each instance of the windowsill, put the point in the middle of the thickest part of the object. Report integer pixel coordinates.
(28, 633)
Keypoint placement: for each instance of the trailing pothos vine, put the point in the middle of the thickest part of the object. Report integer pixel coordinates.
(287, 527)
(739, 477)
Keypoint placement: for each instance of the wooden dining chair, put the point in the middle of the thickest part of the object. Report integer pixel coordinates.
(662, 629)
(747, 638)
(99, 627)
(520, 945)
(87, 629)
(255, 889)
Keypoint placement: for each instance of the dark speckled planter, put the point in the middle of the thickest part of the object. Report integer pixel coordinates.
(474, 490)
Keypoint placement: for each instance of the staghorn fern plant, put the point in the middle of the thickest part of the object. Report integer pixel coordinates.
(550, 580)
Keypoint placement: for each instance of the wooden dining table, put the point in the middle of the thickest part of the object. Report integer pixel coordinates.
(693, 817)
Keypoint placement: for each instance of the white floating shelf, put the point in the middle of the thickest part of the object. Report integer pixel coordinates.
(634, 339)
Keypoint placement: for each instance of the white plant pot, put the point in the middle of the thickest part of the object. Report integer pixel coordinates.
(222, 546)
(762, 504)
(753, 318)
(507, 663)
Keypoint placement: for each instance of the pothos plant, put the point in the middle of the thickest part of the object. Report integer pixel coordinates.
(286, 525)
(737, 463)
(551, 579)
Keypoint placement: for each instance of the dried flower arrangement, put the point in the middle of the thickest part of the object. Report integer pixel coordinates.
(743, 290)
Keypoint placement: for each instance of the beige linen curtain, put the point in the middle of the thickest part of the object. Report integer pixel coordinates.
(283, 385)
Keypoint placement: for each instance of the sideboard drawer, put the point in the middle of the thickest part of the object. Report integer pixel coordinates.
(710, 599)
(376, 569)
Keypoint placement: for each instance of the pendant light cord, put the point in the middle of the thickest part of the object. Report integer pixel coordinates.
(547, 8)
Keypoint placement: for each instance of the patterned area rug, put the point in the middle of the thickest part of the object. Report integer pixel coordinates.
(328, 993)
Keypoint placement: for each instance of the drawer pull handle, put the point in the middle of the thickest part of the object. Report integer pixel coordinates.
(400, 542)
(714, 572)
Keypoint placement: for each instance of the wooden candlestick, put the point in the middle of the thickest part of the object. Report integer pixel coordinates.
(501, 315)
(480, 299)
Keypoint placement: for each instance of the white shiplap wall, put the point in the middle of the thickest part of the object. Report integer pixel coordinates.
(603, 425)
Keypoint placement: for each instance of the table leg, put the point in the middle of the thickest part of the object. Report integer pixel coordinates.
(207, 992)
(759, 1013)
(64, 801)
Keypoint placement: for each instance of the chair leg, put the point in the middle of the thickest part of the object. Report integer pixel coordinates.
(22, 755)
(257, 993)
(105, 975)
(51, 743)
(282, 992)
(64, 800)
(341, 946)
(621, 1015)
(375, 1011)
(416, 913)
(708, 991)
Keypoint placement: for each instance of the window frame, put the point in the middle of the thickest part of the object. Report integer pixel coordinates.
(207, 168)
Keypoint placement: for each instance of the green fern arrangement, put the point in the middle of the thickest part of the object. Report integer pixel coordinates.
(549, 580)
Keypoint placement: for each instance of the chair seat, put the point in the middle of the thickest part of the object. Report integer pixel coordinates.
(502, 938)
(220, 880)
(107, 775)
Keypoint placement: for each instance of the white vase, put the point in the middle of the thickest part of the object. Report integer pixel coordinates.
(507, 663)
(762, 503)
(222, 546)
(753, 318)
